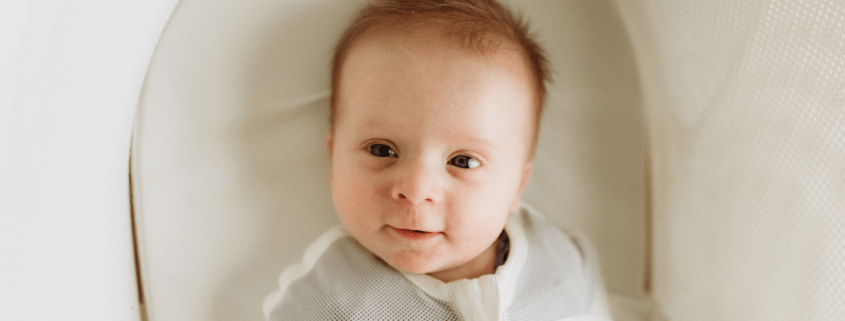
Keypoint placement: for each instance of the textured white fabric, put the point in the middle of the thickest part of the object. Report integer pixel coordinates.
(348, 280)
(746, 110)
(70, 76)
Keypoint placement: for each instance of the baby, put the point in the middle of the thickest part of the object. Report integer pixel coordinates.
(435, 110)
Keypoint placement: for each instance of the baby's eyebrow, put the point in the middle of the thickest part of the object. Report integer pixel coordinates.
(486, 144)
(375, 122)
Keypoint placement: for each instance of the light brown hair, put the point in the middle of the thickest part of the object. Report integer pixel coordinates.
(480, 26)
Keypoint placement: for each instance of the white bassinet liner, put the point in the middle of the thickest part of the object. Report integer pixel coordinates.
(547, 276)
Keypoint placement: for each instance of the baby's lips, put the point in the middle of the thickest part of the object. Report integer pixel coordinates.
(415, 236)
(408, 229)
(411, 229)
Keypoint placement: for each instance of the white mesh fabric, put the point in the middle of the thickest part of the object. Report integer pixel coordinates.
(746, 106)
(531, 300)
(546, 277)
(347, 283)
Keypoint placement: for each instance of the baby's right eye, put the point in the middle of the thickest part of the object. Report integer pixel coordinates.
(381, 150)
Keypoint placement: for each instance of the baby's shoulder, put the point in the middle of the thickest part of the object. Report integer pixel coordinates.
(331, 278)
(558, 270)
(544, 237)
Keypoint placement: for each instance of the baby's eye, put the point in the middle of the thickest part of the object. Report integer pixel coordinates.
(381, 150)
(464, 161)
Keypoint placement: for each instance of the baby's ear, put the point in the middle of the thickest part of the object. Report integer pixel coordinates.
(529, 166)
(526, 173)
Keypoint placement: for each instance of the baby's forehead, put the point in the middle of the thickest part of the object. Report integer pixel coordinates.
(488, 47)
(405, 49)
(411, 60)
(402, 87)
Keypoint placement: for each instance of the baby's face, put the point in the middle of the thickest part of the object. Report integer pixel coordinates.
(429, 153)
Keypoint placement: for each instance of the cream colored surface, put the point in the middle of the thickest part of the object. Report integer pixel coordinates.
(746, 106)
(231, 168)
(70, 74)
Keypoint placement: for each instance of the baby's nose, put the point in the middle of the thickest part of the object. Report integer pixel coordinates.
(413, 199)
(418, 183)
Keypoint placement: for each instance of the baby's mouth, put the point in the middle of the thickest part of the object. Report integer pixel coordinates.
(414, 234)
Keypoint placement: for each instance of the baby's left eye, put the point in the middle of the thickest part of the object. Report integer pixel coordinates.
(464, 161)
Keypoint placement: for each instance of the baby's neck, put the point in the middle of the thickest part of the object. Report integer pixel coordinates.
(483, 264)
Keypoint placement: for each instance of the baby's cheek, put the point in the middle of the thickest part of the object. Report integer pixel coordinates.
(483, 219)
(361, 200)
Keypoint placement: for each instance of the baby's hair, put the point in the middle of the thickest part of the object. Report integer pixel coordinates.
(480, 26)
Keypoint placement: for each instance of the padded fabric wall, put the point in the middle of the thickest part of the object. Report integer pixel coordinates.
(231, 170)
(70, 77)
(746, 110)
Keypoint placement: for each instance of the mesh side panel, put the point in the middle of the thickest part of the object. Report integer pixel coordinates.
(746, 104)
(349, 283)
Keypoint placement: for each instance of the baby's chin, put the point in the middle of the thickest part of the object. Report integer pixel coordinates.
(414, 265)
(444, 271)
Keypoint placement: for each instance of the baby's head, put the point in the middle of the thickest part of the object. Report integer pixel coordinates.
(435, 113)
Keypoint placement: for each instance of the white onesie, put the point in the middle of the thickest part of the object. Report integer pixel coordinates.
(547, 276)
